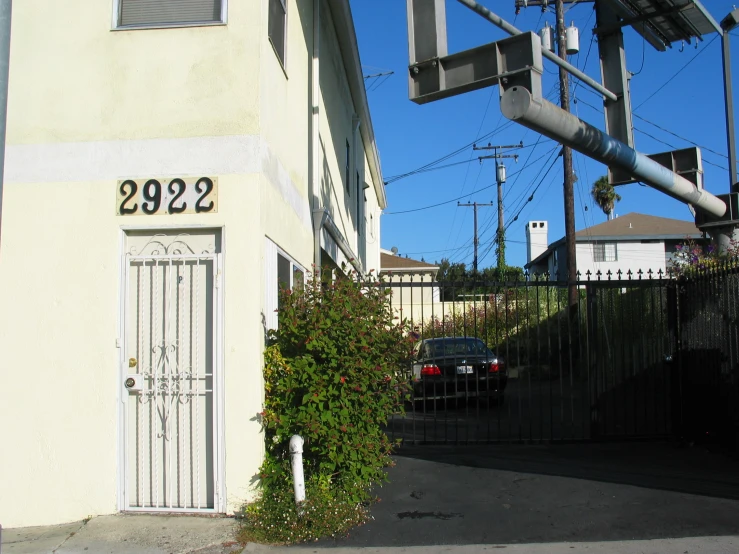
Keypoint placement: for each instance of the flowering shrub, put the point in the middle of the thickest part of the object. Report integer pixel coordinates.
(691, 258)
(334, 373)
(326, 512)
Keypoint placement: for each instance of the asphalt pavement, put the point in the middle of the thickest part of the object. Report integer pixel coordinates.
(514, 494)
(596, 498)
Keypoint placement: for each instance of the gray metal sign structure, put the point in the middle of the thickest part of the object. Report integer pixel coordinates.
(515, 64)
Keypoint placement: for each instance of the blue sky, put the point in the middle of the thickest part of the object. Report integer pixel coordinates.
(409, 136)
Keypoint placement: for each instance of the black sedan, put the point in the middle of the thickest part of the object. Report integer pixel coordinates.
(457, 368)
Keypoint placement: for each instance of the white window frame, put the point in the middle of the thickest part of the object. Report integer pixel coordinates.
(282, 59)
(605, 256)
(271, 287)
(117, 12)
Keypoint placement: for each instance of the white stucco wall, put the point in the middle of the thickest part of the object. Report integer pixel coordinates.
(631, 256)
(89, 106)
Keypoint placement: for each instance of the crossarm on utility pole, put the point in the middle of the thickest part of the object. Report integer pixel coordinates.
(511, 30)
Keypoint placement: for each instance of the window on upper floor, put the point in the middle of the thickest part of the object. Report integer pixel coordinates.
(359, 205)
(277, 27)
(132, 14)
(348, 169)
(605, 252)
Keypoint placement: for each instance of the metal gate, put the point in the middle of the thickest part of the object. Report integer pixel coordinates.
(599, 369)
(170, 420)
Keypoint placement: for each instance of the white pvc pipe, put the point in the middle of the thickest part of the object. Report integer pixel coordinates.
(296, 458)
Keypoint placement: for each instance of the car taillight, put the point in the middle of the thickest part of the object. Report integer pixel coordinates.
(495, 367)
(430, 369)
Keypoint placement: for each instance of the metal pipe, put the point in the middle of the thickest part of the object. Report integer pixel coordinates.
(729, 106)
(296, 459)
(6, 9)
(542, 116)
(511, 30)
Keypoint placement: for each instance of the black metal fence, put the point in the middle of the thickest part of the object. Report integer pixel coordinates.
(707, 321)
(637, 356)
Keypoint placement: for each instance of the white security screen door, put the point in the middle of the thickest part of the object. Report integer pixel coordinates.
(169, 378)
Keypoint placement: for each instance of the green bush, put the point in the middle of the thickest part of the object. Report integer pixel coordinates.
(326, 512)
(334, 372)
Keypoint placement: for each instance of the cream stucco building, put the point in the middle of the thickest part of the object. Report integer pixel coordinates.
(169, 163)
(414, 291)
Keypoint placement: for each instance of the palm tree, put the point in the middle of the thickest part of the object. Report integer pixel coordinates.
(605, 195)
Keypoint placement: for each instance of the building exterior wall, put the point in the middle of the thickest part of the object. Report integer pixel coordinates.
(414, 296)
(196, 101)
(631, 256)
(372, 214)
(536, 239)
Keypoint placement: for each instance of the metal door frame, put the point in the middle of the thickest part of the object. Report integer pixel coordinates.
(219, 447)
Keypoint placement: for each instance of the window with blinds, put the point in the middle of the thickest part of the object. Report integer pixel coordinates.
(155, 13)
(605, 252)
(277, 24)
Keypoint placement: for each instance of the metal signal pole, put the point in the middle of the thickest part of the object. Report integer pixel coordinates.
(569, 178)
(474, 205)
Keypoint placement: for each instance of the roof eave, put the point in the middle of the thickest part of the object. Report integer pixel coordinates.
(347, 36)
(409, 269)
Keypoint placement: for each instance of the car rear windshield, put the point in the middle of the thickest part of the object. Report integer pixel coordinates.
(456, 347)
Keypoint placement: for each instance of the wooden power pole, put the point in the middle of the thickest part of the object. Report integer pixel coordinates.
(476, 241)
(569, 177)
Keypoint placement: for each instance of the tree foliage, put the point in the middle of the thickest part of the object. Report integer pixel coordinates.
(458, 281)
(605, 195)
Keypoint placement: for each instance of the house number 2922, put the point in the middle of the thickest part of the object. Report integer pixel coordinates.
(178, 195)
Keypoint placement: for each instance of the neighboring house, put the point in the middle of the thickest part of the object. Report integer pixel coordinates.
(169, 165)
(631, 242)
(414, 290)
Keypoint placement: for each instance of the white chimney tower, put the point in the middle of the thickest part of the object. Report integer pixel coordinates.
(536, 239)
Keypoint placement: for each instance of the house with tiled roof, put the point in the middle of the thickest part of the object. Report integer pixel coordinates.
(632, 242)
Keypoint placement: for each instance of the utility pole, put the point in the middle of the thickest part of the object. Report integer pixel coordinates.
(727, 24)
(500, 178)
(569, 178)
(474, 205)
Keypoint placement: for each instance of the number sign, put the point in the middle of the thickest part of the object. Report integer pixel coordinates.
(180, 195)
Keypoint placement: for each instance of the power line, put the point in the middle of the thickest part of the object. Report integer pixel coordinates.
(448, 156)
(530, 199)
(676, 73)
(465, 195)
(681, 138)
(643, 48)
(675, 147)
(662, 141)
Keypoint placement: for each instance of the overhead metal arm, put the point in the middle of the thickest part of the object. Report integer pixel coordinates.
(511, 30)
(518, 104)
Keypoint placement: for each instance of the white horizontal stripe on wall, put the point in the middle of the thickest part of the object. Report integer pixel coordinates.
(124, 159)
(120, 159)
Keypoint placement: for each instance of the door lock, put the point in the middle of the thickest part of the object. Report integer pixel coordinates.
(134, 383)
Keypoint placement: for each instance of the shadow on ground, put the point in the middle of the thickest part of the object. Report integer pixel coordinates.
(699, 469)
(549, 493)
